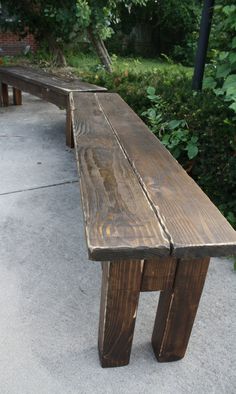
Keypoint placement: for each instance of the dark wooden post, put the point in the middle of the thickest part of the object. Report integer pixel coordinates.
(177, 310)
(69, 130)
(17, 97)
(121, 281)
(203, 40)
(69, 126)
(4, 95)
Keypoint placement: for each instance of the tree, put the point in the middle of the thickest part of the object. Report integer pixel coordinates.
(222, 78)
(62, 22)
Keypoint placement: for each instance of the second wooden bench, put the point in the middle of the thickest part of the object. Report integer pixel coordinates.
(44, 85)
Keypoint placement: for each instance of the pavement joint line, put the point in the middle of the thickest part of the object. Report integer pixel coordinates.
(39, 187)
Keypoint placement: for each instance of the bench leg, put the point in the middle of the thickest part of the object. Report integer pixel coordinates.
(4, 95)
(121, 283)
(17, 97)
(177, 310)
(69, 129)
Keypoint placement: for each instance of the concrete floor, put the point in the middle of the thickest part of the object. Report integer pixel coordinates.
(49, 291)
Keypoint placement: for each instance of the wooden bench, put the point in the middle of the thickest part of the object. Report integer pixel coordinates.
(148, 222)
(45, 86)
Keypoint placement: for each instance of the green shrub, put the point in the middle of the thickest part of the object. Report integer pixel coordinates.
(222, 77)
(210, 122)
(174, 134)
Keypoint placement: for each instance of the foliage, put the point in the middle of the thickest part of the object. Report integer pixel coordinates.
(174, 134)
(5, 60)
(173, 25)
(64, 22)
(222, 78)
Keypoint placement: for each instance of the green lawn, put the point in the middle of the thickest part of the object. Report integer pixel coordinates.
(85, 63)
(89, 63)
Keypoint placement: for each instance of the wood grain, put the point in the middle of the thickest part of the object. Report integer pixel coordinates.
(158, 274)
(119, 221)
(177, 310)
(119, 302)
(195, 227)
(17, 97)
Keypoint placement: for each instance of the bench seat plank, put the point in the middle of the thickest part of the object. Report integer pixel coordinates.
(119, 220)
(193, 225)
(13, 74)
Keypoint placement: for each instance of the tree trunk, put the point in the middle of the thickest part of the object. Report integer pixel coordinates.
(100, 49)
(57, 52)
(60, 57)
(106, 52)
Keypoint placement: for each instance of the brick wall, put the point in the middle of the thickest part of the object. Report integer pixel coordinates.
(10, 44)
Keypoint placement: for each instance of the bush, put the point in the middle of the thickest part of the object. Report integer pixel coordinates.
(222, 78)
(208, 118)
(174, 134)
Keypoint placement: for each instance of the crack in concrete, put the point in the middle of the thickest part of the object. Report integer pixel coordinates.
(39, 187)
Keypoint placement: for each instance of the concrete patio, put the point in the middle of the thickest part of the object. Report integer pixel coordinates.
(50, 292)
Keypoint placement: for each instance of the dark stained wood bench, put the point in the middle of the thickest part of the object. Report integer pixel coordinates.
(148, 222)
(45, 86)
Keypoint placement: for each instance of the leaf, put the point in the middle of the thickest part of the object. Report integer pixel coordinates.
(219, 92)
(231, 91)
(223, 70)
(230, 81)
(151, 97)
(173, 143)
(232, 57)
(223, 55)
(158, 118)
(233, 106)
(209, 83)
(192, 151)
(194, 139)
(234, 43)
(151, 90)
(173, 124)
(229, 9)
(152, 113)
(165, 139)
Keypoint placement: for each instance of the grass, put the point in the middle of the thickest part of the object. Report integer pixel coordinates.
(90, 63)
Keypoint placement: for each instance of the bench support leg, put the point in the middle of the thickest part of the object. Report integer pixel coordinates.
(4, 95)
(119, 301)
(17, 97)
(177, 310)
(69, 129)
